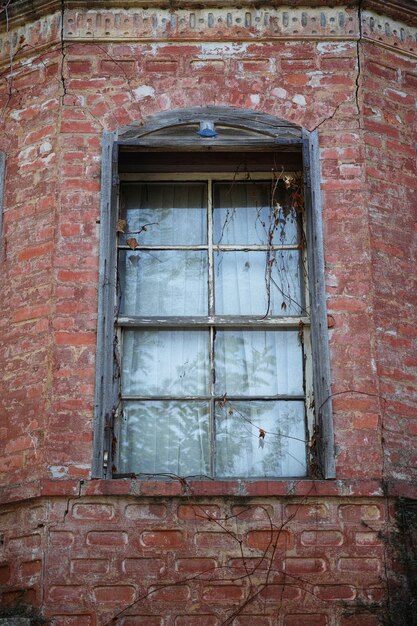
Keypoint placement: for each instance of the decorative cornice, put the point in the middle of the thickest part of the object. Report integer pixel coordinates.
(393, 33)
(24, 11)
(250, 24)
(149, 24)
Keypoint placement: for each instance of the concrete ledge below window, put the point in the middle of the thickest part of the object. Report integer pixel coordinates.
(170, 487)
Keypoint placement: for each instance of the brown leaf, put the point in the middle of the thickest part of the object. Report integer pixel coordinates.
(330, 321)
(262, 433)
(121, 226)
(132, 243)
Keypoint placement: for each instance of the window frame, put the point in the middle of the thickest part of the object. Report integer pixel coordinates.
(223, 322)
(269, 133)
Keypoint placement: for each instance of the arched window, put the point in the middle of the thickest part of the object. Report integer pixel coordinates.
(212, 353)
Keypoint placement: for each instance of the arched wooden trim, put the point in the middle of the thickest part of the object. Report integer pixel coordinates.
(259, 128)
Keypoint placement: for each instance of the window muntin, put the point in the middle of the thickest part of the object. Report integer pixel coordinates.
(213, 328)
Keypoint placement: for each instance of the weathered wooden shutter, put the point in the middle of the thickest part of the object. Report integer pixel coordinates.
(106, 392)
(319, 331)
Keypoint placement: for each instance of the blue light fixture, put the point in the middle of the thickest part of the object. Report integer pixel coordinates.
(207, 130)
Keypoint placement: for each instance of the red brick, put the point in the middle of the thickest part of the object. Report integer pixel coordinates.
(79, 66)
(61, 539)
(251, 564)
(146, 511)
(25, 544)
(362, 619)
(253, 513)
(198, 512)
(33, 252)
(93, 511)
(302, 619)
(114, 594)
(117, 67)
(4, 573)
(359, 565)
(161, 65)
(356, 513)
(197, 566)
(216, 541)
(75, 339)
(141, 620)
(90, 566)
(265, 539)
(304, 566)
(196, 620)
(30, 568)
(73, 620)
(321, 538)
(163, 539)
(107, 538)
(65, 594)
(335, 592)
(307, 512)
(382, 71)
(149, 568)
(277, 593)
(169, 593)
(223, 593)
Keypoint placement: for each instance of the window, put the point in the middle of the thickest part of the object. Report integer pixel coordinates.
(213, 319)
(206, 363)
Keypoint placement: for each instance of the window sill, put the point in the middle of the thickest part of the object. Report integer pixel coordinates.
(238, 488)
(206, 488)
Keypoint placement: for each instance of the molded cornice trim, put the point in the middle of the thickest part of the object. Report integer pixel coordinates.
(23, 11)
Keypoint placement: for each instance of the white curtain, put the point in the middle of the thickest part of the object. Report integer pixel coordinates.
(173, 434)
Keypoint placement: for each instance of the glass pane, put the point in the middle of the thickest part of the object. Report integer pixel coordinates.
(253, 213)
(161, 437)
(258, 363)
(165, 213)
(165, 363)
(163, 282)
(241, 452)
(258, 283)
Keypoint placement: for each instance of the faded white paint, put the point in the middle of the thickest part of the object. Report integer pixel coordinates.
(144, 91)
(299, 99)
(279, 92)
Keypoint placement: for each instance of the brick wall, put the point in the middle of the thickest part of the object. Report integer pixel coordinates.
(389, 109)
(83, 552)
(188, 561)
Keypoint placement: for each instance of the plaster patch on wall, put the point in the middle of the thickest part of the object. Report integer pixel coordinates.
(279, 92)
(299, 99)
(58, 471)
(222, 49)
(144, 91)
(342, 47)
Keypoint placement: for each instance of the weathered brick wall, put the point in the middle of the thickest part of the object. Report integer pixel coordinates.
(390, 139)
(196, 561)
(30, 112)
(85, 556)
(107, 85)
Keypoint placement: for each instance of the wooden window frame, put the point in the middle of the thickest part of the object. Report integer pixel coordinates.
(259, 132)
